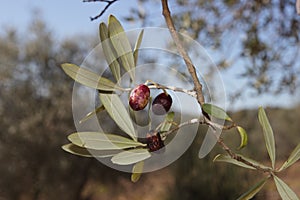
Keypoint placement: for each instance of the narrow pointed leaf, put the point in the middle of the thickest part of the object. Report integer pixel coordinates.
(80, 151)
(88, 78)
(137, 171)
(117, 111)
(109, 52)
(294, 157)
(90, 114)
(76, 150)
(254, 190)
(286, 193)
(167, 123)
(268, 134)
(215, 111)
(102, 141)
(137, 46)
(244, 137)
(131, 156)
(121, 44)
(228, 159)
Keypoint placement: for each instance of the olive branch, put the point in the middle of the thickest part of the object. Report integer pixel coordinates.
(132, 150)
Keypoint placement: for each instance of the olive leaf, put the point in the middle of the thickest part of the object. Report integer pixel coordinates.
(228, 159)
(80, 151)
(76, 150)
(268, 134)
(294, 157)
(88, 78)
(286, 193)
(109, 52)
(137, 46)
(215, 111)
(90, 114)
(131, 156)
(244, 137)
(254, 190)
(121, 45)
(167, 123)
(137, 171)
(117, 111)
(102, 141)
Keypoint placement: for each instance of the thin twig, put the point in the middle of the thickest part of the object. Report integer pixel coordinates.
(153, 85)
(190, 122)
(109, 3)
(241, 159)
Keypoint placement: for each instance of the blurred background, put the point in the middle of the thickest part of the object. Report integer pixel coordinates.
(255, 45)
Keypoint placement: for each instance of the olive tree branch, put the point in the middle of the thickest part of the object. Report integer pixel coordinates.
(191, 68)
(109, 3)
(219, 141)
(199, 93)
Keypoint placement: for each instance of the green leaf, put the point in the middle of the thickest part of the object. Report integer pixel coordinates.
(88, 78)
(228, 159)
(102, 141)
(268, 134)
(76, 150)
(117, 111)
(137, 46)
(109, 52)
(167, 123)
(121, 44)
(137, 171)
(244, 137)
(294, 157)
(215, 111)
(286, 193)
(131, 156)
(90, 114)
(254, 190)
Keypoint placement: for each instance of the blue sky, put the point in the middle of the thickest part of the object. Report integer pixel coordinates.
(71, 17)
(64, 17)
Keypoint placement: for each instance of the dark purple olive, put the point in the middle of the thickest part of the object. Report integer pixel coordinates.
(162, 104)
(154, 141)
(139, 97)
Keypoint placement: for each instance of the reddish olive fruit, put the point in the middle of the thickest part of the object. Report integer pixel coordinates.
(139, 97)
(154, 141)
(162, 104)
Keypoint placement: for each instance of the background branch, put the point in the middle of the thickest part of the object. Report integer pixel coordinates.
(109, 3)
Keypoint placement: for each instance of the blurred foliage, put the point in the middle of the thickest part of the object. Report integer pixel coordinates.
(35, 112)
(260, 39)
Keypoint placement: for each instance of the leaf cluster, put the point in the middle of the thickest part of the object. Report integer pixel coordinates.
(284, 190)
(120, 58)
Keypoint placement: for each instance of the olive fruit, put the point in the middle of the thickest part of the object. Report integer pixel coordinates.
(139, 97)
(154, 141)
(161, 104)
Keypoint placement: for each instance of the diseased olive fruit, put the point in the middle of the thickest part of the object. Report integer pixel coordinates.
(139, 97)
(154, 141)
(162, 104)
